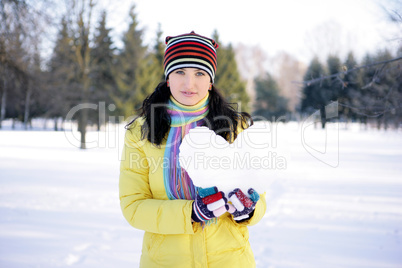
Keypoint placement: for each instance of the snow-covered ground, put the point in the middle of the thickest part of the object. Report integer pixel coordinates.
(338, 203)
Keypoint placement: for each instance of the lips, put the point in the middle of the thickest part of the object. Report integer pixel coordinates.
(188, 93)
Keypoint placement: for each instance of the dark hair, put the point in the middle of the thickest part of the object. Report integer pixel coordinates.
(222, 118)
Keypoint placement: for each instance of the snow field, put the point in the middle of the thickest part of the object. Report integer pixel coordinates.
(337, 204)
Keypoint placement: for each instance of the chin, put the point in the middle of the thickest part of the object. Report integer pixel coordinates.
(189, 101)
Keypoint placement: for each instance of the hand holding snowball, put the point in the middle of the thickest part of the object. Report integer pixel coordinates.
(243, 204)
(209, 204)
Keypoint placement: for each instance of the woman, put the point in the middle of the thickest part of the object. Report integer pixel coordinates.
(184, 226)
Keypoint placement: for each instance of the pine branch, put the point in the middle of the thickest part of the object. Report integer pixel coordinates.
(322, 78)
(358, 110)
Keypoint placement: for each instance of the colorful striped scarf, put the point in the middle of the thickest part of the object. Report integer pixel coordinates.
(178, 184)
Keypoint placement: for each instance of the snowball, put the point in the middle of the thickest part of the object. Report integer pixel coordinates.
(251, 161)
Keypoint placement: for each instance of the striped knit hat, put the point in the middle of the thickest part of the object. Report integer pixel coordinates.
(190, 51)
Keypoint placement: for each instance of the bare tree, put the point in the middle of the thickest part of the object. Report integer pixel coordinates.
(21, 28)
(325, 39)
(289, 69)
(251, 65)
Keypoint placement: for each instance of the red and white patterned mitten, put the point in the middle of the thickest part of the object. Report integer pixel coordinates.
(208, 204)
(244, 205)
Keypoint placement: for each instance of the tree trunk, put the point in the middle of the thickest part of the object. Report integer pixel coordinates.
(3, 102)
(82, 125)
(83, 117)
(323, 117)
(397, 122)
(27, 102)
(386, 121)
(379, 119)
(98, 124)
(62, 124)
(101, 115)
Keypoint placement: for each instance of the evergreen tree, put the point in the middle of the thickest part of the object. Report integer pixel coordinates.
(396, 97)
(227, 78)
(381, 91)
(389, 90)
(333, 84)
(17, 77)
(148, 78)
(269, 104)
(103, 83)
(150, 71)
(332, 87)
(315, 96)
(34, 91)
(159, 52)
(61, 77)
(128, 95)
(349, 95)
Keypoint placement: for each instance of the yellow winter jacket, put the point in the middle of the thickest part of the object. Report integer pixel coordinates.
(171, 239)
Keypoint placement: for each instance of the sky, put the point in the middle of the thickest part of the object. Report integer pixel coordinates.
(300, 28)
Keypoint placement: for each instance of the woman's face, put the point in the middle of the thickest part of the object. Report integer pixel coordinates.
(189, 85)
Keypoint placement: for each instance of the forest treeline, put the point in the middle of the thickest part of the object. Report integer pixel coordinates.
(369, 91)
(85, 67)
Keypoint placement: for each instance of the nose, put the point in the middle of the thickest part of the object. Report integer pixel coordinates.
(189, 81)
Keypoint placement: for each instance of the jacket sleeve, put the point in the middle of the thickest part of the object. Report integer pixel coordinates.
(139, 207)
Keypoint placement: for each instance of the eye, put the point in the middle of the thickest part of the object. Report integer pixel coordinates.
(179, 72)
(200, 73)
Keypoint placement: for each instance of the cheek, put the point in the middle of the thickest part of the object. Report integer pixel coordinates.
(206, 84)
(205, 89)
(174, 86)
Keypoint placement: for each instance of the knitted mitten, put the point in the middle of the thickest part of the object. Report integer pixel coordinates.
(208, 204)
(244, 205)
